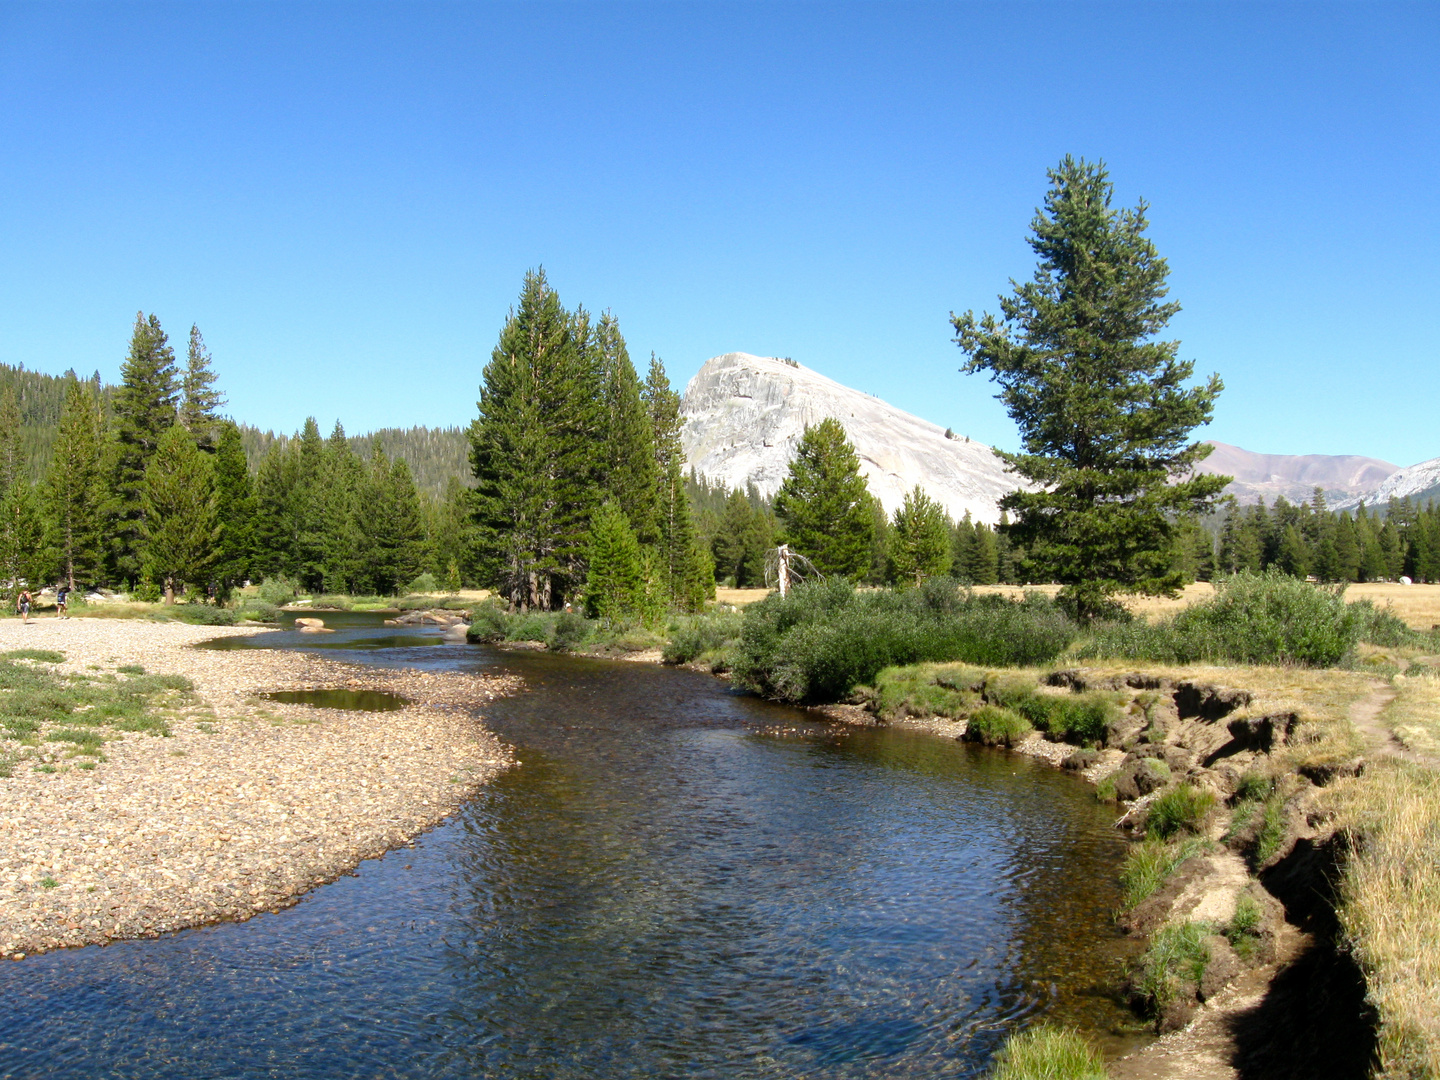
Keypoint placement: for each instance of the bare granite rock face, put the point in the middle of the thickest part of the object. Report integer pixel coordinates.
(744, 416)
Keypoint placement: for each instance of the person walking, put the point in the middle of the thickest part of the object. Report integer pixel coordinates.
(22, 604)
(62, 597)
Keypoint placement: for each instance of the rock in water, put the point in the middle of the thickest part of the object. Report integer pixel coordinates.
(312, 626)
(744, 416)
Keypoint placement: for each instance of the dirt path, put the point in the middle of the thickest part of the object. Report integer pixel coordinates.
(1380, 741)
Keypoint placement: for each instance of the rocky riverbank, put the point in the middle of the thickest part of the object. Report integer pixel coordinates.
(243, 807)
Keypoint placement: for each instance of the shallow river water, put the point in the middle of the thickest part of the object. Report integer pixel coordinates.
(677, 881)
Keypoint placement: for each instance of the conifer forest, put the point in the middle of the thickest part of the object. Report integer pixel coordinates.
(569, 487)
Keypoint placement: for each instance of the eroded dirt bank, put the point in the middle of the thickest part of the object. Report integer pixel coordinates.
(243, 807)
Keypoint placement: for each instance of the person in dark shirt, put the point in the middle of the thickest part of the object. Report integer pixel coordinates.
(62, 598)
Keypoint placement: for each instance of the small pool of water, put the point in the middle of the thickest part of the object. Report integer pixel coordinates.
(357, 700)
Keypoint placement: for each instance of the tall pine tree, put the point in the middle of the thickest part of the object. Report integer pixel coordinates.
(180, 525)
(74, 486)
(1103, 408)
(144, 409)
(824, 505)
(534, 451)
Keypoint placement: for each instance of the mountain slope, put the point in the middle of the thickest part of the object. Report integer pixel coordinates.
(744, 416)
(1420, 483)
(1265, 476)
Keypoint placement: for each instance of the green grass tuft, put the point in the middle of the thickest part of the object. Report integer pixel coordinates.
(1181, 809)
(1176, 959)
(1150, 864)
(1047, 1053)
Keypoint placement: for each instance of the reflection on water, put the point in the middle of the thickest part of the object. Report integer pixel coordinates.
(676, 882)
(355, 700)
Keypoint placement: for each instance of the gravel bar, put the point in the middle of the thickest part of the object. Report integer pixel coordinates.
(246, 806)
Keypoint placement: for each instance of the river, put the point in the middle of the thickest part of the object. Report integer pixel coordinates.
(677, 881)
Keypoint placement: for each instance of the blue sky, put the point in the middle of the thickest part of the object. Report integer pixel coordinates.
(345, 197)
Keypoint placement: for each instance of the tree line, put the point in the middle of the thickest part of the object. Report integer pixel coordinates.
(1310, 540)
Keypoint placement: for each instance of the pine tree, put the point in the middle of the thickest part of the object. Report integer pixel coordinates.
(180, 523)
(919, 539)
(686, 563)
(340, 479)
(984, 565)
(627, 443)
(411, 551)
(144, 409)
(200, 402)
(534, 451)
(823, 503)
(74, 486)
(271, 539)
(21, 532)
(234, 510)
(1104, 413)
(614, 581)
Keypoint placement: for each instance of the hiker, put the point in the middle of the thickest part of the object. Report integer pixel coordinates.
(62, 595)
(22, 604)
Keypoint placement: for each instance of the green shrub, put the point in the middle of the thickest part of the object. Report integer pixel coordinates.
(86, 742)
(996, 726)
(1180, 809)
(1246, 926)
(825, 638)
(531, 627)
(253, 610)
(147, 592)
(1047, 1053)
(1381, 626)
(333, 602)
(709, 632)
(1252, 619)
(202, 615)
(570, 630)
(1176, 960)
(1150, 864)
(487, 623)
(277, 591)
(423, 583)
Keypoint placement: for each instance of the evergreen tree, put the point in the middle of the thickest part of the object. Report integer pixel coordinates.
(1294, 558)
(200, 402)
(22, 557)
(74, 487)
(452, 536)
(984, 565)
(411, 552)
(613, 583)
(685, 562)
(271, 539)
(144, 407)
(1103, 410)
(824, 505)
(234, 510)
(342, 475)
(534, 451)
(180, 526)
(626, 440)
(919, 539)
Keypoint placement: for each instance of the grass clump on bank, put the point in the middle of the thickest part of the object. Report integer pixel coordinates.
(1047, 1053)
(1389, 893)
(826, 638)
(1150, 864)
(1172, 966)
(1252, 619)
(997, 726)
(1181, 809)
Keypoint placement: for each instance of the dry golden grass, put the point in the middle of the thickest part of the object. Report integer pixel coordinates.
(1414, 715)
(1418, 605)
(739, 597)
(1389, 895)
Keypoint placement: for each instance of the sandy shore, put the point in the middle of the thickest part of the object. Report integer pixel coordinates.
(248, 803)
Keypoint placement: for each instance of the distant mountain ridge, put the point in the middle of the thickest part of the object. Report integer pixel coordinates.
(1418, 483)
(1342, 477)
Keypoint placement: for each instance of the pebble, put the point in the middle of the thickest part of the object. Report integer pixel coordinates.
(248, 804)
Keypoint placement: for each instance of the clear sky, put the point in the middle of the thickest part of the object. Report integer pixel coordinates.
(345, 197)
